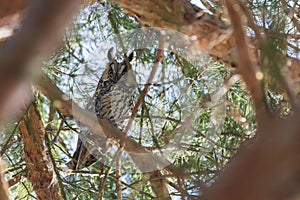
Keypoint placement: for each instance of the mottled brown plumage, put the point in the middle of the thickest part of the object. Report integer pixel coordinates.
(112, 101)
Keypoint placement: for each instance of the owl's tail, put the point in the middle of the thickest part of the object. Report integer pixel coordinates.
(87, 154)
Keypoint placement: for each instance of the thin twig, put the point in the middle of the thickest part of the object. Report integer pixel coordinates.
(56, 171)
(118, 174)
(246, 61)
(159, 56)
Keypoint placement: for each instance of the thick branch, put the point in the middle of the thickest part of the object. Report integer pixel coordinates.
(211, 34)
(246, 60)
(40, 175)
(40, 31)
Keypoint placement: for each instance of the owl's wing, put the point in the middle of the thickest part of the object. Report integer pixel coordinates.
(90, 148)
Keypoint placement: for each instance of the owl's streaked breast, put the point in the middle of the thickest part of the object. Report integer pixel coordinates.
(115, 104)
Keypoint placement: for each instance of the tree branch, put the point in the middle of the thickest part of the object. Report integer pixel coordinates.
(44, 24)
(247, 61)
(211, 34)
(40, 175)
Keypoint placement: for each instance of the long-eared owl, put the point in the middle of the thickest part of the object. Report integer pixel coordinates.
(112, 101)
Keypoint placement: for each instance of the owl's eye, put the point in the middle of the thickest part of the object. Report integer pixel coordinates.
(112, 66)
(123, 69)
(112, 72)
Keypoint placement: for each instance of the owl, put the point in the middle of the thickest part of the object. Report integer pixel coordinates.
(112, 101)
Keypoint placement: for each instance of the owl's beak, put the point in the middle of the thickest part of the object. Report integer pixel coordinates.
(129, 78)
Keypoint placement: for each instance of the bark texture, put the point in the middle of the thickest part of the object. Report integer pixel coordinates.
(40, 169)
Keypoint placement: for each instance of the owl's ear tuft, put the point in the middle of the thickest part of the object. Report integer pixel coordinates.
(110, 54)
(131, 56)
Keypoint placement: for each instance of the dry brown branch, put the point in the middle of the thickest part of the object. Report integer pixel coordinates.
(142, 158)
(118, 174)
(40, 174)
(246, 60)
(40, 32)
